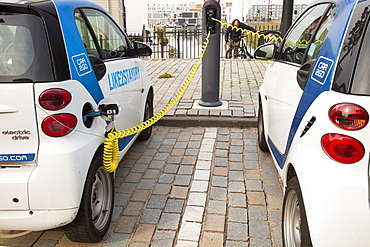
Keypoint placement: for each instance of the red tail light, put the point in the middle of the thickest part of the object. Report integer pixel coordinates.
(348, 116)
(55, 99)
(59, 124)
(342, 148)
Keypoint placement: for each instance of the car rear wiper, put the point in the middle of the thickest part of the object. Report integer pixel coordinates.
(23, 80)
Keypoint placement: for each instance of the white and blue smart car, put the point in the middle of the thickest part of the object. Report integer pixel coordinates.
(313, 117)
(63, 63)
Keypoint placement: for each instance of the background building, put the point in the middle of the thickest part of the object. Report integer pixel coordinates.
(261, 12)
(136, 13)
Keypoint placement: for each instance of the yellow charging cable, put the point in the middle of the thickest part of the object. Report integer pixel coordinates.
(111, 149)
(247, 32)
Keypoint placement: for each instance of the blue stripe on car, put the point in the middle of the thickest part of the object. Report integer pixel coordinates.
(80, 65)
(329, 52)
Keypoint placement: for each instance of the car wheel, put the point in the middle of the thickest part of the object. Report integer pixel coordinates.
(261, 131)
(96, 208)
(295, 227)
(145, 134)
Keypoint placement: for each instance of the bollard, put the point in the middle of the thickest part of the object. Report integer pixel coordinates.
(211, 59)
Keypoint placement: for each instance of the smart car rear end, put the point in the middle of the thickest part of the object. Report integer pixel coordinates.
(57, 77)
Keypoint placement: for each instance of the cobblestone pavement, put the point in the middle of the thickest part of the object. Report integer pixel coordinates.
(194, 186)
(239, 82)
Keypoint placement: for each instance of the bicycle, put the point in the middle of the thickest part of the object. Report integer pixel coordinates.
(241, 51)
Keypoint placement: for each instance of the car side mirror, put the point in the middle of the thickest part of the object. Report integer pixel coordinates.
(265, 51)
(99, 67)
(142, 50)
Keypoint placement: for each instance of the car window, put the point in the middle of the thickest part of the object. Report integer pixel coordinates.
(298, 39)
(23, 49)
(361, 83)
(86, 37)
(321, 34)
(112, 42)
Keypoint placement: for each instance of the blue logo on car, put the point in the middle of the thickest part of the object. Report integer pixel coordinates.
(81, 64)
(16, 157)
(321, 70)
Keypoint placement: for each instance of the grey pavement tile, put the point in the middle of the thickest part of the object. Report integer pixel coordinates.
(181, 145)
(127, 188)
(182, 180)
(259, 229)
(121, 199)
(165, 149)
(191, 152)
(223, 138)
(237, 200)
(236, 150)
(268, 168)
(169, 142)
(235, 157)
(156, 164)
(219, 181)
(250, 156)
(222, 145)
(150, 216)
(216, 207)
(185, 170)
(260, 242)
(146, 184)
(237, 231)
(236, 176)
(154, 145)
(117, 240)
(169, 221)
(273, 189)
(238, 215)
(218, 193)
(163, 239)
(221, 162)
(257, 212)
(235, 186)
(270, 178)
(139, 168)
(174, 205)
(194, 144)
(253, 185)
(230, 243)
(251, 165)
(277, 235)
(157, 201)
(166, 178)
(275, 217)
(161, 156)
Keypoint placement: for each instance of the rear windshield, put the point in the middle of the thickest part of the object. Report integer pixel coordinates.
(24, 53)
(361, 80)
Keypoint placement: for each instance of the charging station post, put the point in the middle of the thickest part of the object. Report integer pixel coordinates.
(211, 58)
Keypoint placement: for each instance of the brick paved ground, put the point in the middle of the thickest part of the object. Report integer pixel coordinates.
(193, 187)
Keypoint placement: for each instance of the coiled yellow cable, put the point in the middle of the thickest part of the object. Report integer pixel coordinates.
(247, 32)
(111, 151)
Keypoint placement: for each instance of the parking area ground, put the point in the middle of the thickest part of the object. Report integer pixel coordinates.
(191, 184)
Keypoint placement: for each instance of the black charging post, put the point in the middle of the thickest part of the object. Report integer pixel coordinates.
(211, 58)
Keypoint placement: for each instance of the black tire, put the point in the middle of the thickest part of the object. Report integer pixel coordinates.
(96, 208)
(261, 131)
(145, 134)
(294, 220)
(229, 53)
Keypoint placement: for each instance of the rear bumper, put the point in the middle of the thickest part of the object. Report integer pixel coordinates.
(36, 220)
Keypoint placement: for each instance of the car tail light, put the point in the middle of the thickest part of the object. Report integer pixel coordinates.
(55, 99)
(59, 124)
(342, 148)
(348, 116)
